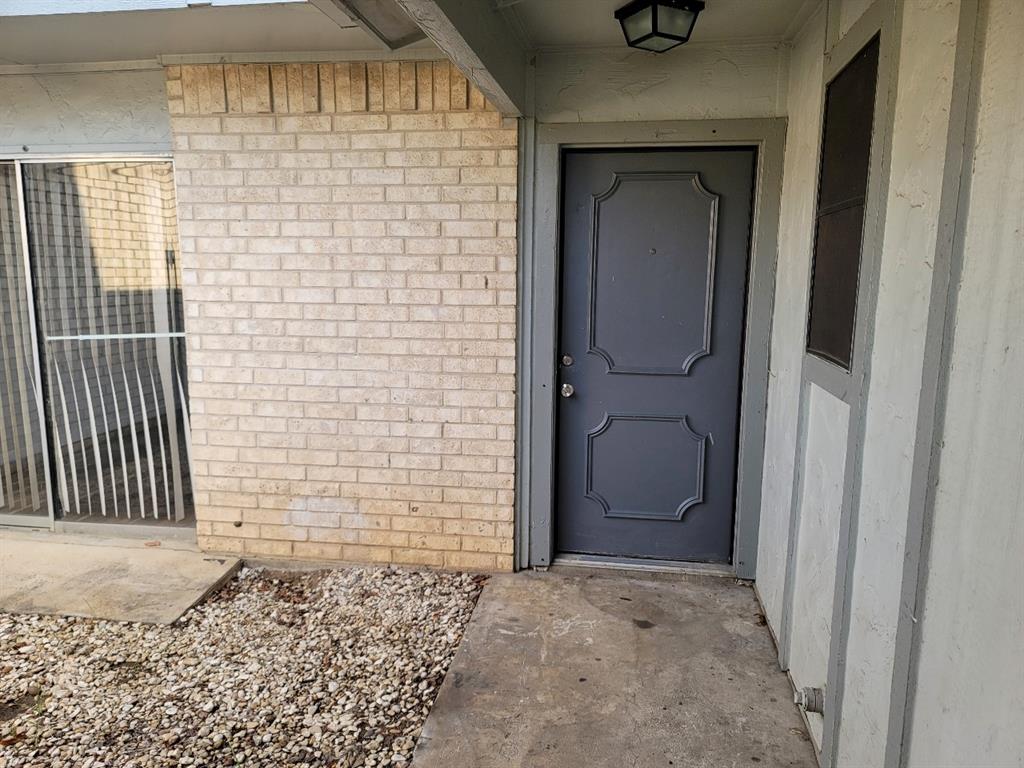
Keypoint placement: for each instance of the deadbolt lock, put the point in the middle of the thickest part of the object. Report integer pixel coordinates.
(567, 360)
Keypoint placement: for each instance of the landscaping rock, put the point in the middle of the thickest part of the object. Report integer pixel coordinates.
(326, 668)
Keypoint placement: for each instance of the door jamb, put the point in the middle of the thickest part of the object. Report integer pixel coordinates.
(538, 282)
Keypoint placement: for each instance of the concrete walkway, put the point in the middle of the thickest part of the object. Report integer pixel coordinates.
(598, 668)
(101, 578)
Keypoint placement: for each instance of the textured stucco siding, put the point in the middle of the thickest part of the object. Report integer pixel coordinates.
(819, 503)
(965, 707)
(83, 112)
(730, 80)
(348, 239)
(969, 700)
(918, 163)
(850, 12)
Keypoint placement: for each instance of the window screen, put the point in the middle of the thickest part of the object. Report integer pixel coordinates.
(839, 223)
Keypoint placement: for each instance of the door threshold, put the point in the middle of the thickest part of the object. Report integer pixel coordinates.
(610, 562)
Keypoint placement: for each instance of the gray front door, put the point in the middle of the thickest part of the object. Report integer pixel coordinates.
(654, 269)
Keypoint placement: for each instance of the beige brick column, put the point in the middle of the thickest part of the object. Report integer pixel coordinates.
(348, 237)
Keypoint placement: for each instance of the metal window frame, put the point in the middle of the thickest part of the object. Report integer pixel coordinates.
(538, 278)
(32, 521)
(88, 157)
(51, 521)
(822, 355)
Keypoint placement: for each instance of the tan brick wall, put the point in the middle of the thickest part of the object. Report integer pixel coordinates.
(348, 240)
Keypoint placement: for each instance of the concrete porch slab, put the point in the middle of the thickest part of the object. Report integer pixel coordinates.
(103, 578)
(575, 667)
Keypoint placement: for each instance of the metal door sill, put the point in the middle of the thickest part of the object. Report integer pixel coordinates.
(181, 533)
(642, 564)
(36, 522)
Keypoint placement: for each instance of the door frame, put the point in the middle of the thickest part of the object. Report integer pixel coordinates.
(539, 270)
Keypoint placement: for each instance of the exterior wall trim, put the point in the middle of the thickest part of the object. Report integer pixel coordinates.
(885, 18)
(847, 386)
(539, 275)
(7, 70)
(942, 311)
(425, 53)
(881, 18)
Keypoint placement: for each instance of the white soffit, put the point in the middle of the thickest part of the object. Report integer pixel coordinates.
(64, 7)
(592, 24)
(229, 27)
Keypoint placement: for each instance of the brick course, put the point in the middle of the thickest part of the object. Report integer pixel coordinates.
(349, 255)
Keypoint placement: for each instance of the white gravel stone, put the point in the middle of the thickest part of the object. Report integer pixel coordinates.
(325, 668)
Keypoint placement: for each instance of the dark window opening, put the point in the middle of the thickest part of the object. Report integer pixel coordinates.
(839, 221)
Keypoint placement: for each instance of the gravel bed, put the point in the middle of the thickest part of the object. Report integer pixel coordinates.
(325, 668)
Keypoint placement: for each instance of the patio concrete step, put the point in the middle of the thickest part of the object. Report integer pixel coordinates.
(124, 579)
(610, 669)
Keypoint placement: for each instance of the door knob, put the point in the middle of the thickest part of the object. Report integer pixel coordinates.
(568, 390)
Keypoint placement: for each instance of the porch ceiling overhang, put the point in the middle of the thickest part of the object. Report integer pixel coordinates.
(489, 40)
(476, 36)
(543, 24)
(233, 31)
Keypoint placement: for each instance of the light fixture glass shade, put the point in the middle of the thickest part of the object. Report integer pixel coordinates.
(639, 25)
(676, 22)
(657, 44)
(658, 25)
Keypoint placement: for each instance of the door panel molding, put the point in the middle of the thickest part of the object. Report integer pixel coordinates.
(695, 498)
(691, 181)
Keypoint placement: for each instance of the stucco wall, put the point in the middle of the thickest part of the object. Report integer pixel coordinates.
(84, 112)
(694, 82)
(912, 234)
(970, 695)
(348, 240)
(820, 500)
(850, 12)
(918, 163)
(790, 312)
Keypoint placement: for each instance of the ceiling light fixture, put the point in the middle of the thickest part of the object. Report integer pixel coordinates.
(658, 25)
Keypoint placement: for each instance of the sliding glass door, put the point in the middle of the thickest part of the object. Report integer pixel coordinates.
(23, 455)
(102, 247)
